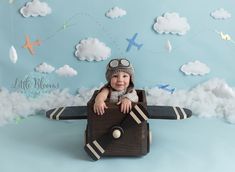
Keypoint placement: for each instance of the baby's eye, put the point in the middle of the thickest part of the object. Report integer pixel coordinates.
(125, 76)
(114, 76)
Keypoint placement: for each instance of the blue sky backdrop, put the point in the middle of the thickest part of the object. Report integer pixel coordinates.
(86, 19)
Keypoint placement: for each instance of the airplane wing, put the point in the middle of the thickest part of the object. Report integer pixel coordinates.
(155, 112)
(168, 112)
(27, 40)
(129, 46)
(163, 85)
(134, 37)
(67, 113)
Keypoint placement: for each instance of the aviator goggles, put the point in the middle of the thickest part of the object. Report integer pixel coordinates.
(119, 63)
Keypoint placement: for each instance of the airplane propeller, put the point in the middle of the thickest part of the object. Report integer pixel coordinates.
(136, 116)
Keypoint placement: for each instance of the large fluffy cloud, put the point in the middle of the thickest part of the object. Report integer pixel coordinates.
(92, 49)
(35, 8)
(220, 14)
(115, 12)
(214, 98)
(195, 68)
(171, 23)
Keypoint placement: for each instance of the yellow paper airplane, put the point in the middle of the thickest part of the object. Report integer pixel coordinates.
(225, 37)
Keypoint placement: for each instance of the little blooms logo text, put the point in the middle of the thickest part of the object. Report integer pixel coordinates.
(33, 86)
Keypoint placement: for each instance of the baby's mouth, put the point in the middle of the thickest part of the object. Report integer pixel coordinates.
(119, 85)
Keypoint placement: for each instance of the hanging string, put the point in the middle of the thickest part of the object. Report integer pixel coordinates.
(13, 6)
(68, 23)
(11, 22)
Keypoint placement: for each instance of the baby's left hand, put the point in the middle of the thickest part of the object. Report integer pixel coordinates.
(125, 105)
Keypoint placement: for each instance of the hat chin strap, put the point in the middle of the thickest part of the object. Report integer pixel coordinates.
(130, 87)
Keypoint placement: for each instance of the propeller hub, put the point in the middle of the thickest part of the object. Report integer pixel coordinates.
(117, 132)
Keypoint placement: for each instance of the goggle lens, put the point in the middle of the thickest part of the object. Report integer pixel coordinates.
(113, 63)
(125, 62)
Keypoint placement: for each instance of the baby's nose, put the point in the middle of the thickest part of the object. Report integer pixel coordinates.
(120, 78)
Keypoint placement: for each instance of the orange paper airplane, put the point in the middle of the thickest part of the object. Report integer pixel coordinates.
(29, 45)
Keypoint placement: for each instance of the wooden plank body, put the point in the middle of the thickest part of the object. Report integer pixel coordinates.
(134, 141)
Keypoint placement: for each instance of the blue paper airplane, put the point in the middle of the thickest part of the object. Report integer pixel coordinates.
(165, 87)
(132, 42)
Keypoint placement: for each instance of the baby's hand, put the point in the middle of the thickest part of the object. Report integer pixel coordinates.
(125, 105)
(99, 107)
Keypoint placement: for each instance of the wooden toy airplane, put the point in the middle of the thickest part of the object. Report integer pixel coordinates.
(115, 133)
(29, 45)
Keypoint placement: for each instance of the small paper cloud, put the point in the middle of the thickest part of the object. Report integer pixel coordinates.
(13, 54)
(44, 68)
(11, 1)
(35, 8)
(220, 14)
(115, 12)
(171, 23)
(66, 71)
(92, 49)
(195, 68)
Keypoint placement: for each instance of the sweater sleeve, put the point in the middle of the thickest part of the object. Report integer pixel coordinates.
(132, 96)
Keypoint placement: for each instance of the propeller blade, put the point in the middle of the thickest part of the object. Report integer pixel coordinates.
(96, 148)
(137, 115)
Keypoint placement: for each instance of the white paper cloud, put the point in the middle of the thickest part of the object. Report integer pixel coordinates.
(214, 98)
(115, 12)
(92, 49)
(13, 54)
(11, 1)
(220, 14)
(35, 8)
(195, 68)
(171, 23)
(44, 68)
(67, 71)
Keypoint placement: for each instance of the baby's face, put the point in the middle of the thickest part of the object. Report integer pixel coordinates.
(120, 81)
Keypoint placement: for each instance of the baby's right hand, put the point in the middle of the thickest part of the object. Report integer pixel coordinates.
(99, 107)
